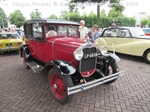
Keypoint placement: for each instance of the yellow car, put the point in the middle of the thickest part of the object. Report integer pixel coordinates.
(127, 40)
(10, 41)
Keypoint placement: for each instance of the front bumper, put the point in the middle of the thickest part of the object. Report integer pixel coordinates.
(91, 84)
(9, 49)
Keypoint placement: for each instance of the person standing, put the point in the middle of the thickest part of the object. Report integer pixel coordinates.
(83, 31)
(93, 34)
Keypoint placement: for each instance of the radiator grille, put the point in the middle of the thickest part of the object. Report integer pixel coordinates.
(88, 61)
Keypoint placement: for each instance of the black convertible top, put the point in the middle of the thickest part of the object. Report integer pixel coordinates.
(55, 21)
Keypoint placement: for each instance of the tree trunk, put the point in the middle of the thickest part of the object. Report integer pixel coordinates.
(98, 15)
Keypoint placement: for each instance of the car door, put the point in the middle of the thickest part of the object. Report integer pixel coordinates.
(38, 41)
(123, 42)
(109, 35)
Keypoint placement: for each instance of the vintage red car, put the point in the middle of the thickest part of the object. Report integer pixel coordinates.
(54, 47)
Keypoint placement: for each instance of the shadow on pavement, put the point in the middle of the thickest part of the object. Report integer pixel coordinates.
(10, 53)
(129, 57)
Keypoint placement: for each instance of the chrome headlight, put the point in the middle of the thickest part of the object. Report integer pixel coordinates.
(103, 50)
(78, 54)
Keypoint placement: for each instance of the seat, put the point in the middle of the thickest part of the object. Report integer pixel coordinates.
(113, 34)
(51, 33)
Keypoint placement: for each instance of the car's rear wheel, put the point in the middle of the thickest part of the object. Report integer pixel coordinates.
(25, 60)
(58, 86)
(147, 56)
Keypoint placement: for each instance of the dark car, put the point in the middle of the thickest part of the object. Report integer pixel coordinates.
(54, 47)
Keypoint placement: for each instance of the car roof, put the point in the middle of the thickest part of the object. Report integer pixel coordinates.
(55, 21)
(124, 27)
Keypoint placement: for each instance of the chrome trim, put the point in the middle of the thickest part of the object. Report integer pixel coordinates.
(91, 84)
(10, 48)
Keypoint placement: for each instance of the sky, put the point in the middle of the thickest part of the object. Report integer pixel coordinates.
(48, 7)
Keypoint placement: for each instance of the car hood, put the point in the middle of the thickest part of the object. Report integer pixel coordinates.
(67, 41)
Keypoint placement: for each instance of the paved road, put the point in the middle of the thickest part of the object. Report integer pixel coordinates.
(21, 90)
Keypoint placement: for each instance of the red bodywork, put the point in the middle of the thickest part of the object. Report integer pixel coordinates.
(56, 48)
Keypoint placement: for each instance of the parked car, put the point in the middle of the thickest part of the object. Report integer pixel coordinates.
(146, 31)
(128, 40)
(10, 41)
(72, 65)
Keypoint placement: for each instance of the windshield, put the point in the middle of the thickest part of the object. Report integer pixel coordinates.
(136, 31)
(57, 30)
(9, 36)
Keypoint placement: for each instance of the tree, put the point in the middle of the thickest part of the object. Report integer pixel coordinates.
(149, 23)
(53, 16)
(99, 2)
(114, 14)
(116, 4)
(103, 13)
(35, 14)
(17, 18)
(116, 9)
(64, 15)
(3, 17)
(144, 22)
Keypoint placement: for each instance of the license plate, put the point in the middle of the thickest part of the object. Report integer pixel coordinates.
(8, 45)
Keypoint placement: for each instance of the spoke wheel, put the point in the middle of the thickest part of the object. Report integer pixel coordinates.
(58, 86)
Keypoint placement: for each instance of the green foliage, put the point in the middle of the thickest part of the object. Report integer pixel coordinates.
(116, 9)
(64, 15)
(148, 22)
(3, 17)
(105, 20)
(144, 22)
(113, 13)
(116, 4)
(53, 16)
(17, 18)
(35, 15)
(72, 6)
(103, 13)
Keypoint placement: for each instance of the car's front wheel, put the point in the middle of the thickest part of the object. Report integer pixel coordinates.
(58, 86)
(147, 56)
(112, 68)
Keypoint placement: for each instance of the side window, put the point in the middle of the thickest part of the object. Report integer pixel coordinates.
(51, 30)
(123, 33)
(28, 30)
(37, 31)
(110, 33)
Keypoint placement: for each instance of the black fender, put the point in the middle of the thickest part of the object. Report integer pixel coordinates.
(113, 57)
(64, 67)
(25, 49)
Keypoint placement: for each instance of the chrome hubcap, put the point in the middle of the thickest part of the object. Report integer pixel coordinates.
(55, 86)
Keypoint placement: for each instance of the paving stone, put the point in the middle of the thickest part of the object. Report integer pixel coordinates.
(24, 91)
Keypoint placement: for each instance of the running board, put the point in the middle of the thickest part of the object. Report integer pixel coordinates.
(35, 67)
